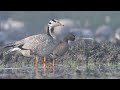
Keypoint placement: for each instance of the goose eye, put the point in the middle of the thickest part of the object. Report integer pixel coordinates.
(49, 22)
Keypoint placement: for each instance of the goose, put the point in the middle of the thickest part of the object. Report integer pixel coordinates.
(37, 45)
(104, 32)
(117, 34)
(62, 47)
(116, 39)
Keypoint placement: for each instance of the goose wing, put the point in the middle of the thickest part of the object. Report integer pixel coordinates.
(31, 42)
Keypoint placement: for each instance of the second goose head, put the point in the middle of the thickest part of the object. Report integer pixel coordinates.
(69, 36)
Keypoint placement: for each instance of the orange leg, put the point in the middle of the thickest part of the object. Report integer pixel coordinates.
(45, 65)
(36, 66)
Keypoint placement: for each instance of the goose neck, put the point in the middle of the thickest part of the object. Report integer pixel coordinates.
(50, 30)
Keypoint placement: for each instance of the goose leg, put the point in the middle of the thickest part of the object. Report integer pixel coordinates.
(36, 66)
(53, 65)
(45, 65)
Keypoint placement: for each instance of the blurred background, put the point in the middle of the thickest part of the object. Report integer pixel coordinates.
(100, 25)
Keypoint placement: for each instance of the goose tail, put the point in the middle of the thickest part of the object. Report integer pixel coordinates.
(12, 50)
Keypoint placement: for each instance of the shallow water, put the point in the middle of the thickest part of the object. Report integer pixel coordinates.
(61, 72)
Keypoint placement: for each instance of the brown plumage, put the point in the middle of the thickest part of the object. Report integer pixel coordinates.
(62, 47)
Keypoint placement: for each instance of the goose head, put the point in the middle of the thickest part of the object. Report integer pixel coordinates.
(70, 37)
(55, 23)
(52, 24)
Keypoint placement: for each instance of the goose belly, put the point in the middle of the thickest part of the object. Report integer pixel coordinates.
(26, 53)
